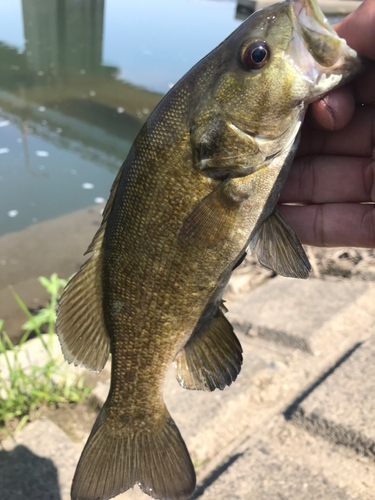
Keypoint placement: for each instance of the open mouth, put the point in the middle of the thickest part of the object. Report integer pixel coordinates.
(316, 50)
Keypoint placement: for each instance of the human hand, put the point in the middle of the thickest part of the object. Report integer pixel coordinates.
(333, 174)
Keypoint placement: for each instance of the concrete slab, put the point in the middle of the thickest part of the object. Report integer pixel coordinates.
(342, 407)
(285, 463)
(301, 313)
(39, 464)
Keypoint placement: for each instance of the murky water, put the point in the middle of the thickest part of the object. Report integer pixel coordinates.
(78, 79)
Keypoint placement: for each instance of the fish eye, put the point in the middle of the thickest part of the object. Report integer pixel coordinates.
(255, 55)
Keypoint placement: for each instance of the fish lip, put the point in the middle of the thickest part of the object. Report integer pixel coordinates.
(306, 16)
(309, 14)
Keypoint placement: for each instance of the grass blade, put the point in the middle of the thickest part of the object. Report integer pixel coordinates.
(29, 388)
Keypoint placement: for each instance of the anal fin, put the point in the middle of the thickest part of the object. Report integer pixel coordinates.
(212, 357)
(278, 248)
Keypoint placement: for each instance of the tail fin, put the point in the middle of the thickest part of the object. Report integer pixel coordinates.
(113, 460)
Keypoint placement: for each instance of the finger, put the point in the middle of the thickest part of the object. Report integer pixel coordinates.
(358, 29)
(335, 110)
(356, 139)
(364, 86)
(330, 179)
(343, 224)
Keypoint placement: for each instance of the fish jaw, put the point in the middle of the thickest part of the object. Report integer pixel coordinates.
(323, 58)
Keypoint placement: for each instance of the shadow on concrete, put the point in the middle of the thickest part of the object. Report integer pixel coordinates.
(295, 405)
(215, 474)
(25, 476)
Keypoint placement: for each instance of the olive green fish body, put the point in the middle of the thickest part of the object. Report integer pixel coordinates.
(198, 188)
(156, 287)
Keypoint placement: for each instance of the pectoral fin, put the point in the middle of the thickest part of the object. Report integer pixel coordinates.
(212, 358)
(213, 217)
(278, 248)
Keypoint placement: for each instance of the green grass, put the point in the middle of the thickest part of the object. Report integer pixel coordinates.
(25, 390)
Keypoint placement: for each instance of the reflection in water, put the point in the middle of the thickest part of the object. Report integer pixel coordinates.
(63, 34)
(61, 69)
(59, 92)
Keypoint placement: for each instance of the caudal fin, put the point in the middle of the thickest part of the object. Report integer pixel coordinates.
(155, 458)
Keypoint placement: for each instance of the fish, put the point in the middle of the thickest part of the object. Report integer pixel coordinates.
(197, 191)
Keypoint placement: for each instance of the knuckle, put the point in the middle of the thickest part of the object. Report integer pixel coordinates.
(368, 227)
(306, 179)
(318, 227)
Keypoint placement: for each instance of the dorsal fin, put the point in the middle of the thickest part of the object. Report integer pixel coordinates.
(80, 322)
(98, 238)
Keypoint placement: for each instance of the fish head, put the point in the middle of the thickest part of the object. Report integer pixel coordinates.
(277, 62)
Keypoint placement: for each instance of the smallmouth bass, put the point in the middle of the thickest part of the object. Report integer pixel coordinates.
(199, 186)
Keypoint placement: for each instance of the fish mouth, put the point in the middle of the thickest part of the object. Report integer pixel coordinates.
(319, 53)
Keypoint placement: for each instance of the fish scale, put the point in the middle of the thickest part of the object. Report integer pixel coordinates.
(199, 186)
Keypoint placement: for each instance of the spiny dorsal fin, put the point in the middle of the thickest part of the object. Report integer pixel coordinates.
(212, 219)
(278, 248)
(212, 357)
(114, 460)
(98, 238)
(80, 323)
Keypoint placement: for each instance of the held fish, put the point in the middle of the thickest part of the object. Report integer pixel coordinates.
(199, 186)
